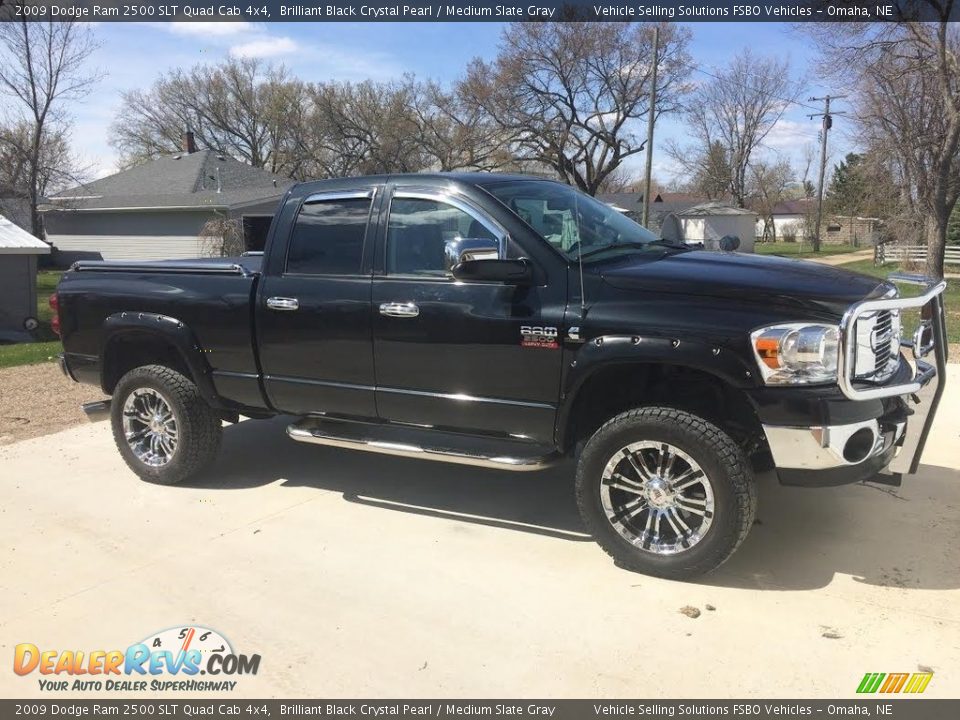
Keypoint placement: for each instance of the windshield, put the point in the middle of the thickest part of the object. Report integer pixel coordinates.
(570, 220)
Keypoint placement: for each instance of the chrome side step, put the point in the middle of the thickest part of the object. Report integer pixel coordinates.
(423, 444)
(96, 411)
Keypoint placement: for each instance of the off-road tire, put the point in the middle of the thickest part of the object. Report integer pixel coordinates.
(199, 427)
(723, 462)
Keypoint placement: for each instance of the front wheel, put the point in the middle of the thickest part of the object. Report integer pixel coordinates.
(164, 429)
(665, 492)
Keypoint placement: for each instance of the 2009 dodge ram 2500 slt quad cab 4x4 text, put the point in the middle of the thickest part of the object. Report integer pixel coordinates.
(510, 322)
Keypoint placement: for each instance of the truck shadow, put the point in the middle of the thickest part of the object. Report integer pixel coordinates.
(899, 538)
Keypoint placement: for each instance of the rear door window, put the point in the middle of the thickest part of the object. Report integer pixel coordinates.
(328, 237)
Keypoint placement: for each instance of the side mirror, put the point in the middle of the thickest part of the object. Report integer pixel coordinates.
(517, 272)
(461, 250)
(729, 243)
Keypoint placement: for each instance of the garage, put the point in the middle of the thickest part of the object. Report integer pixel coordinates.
(18, 281)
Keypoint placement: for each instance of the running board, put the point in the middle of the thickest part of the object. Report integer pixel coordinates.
(424, 444)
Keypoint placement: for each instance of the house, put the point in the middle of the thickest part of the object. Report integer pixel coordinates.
(18, 281)
(792, 220)
(708, 222)
(157, 210)
(795, 220)
(662, 205)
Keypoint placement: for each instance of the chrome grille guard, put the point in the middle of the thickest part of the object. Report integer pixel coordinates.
(927, 378)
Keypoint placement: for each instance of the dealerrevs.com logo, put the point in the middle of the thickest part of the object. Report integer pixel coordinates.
(190, 658)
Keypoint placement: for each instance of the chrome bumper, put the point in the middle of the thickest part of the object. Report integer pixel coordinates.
(839, 446)
(833, 446)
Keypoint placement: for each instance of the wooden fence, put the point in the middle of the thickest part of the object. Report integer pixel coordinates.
(894, 252)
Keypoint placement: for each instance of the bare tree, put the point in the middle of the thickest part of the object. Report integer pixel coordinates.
(42, 65)
(56, 166)
(769, 186)
(570, 95)
(455, 133)
(908, 106)
(245, 108)
(222, 237)
(736, 109)
(364, 128)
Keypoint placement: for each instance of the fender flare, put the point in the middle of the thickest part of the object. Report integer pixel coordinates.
(606, 351)
(172, 331)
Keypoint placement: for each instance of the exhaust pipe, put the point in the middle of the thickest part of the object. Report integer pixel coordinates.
(96, 411)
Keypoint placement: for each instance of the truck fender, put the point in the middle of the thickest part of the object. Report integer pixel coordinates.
(173, 332)
(605, 351)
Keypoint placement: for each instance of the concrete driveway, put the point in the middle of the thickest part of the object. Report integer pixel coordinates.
(356, 575)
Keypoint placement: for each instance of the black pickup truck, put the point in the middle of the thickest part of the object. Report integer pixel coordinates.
(511, 322)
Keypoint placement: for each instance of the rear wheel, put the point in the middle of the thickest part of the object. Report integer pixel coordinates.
(164, 429)
(665, 492)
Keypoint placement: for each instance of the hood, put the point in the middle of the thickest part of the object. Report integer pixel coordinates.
(750, 278)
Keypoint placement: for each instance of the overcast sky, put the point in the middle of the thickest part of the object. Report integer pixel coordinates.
(134, 55)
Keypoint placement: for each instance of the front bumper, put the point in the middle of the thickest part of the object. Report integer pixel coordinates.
(835, 454)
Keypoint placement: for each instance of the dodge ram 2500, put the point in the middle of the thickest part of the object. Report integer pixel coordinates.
(511, 322)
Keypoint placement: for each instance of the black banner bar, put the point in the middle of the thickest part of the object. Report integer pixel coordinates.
(480, 10)
(175, 709)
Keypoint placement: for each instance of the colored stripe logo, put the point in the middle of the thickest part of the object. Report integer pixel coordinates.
(913, 683)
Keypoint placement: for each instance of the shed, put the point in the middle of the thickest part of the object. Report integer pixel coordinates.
(708, 222)
(18, 281)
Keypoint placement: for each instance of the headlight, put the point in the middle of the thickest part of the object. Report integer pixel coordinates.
(797, 353)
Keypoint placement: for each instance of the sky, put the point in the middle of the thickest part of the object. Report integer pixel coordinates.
(134, 55)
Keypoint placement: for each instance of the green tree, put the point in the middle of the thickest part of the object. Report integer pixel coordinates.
(953, 229)
(847, 190)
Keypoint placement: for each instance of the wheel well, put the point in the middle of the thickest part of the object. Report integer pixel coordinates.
(615, 389)
(134, 349)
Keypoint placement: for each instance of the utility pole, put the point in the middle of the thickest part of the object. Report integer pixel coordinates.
(650, 119)
(827, 124)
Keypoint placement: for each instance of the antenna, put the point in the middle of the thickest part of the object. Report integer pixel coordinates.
(576, 220)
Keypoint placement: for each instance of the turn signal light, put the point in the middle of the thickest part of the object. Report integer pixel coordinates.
(768, 348)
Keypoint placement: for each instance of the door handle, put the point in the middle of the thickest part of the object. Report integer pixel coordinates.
(282, 303)
(400, 309)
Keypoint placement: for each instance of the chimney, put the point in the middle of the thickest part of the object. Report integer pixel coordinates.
(187, 143)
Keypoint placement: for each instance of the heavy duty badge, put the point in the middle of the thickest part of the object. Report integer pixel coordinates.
(538, 336)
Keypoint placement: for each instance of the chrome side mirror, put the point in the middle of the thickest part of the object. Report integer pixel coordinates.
(461, 250)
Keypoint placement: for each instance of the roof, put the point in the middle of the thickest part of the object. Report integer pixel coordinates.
(625, 201)
(794, 207)
(712, 209)
(187, 180)
(16, 241)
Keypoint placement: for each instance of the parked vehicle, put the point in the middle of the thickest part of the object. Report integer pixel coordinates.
(510, 322)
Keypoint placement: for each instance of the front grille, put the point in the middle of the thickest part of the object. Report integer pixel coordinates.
(878, 345)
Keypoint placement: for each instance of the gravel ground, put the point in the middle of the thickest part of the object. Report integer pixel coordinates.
(38, 400)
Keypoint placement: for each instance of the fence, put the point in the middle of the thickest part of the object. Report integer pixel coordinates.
(893, 252)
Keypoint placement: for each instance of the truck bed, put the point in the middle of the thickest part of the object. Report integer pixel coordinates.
(207, 303)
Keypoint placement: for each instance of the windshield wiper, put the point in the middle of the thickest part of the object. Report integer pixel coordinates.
(612, 246)
(630, 244)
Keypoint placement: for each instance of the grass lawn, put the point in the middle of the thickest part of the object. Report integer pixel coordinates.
(47, 346)
(951, 296)
(802, 250)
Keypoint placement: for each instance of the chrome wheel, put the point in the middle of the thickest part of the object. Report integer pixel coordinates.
(657, 497)
(150, 427)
